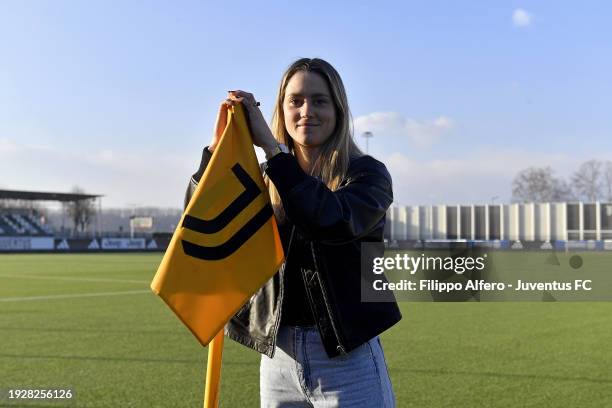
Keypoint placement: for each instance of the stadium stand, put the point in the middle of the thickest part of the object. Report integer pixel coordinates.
(19, 216)
(8, 225)
(28, 224)
(18, 223)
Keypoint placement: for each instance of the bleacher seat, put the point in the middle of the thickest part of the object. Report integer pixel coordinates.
(12, 228)
(44, 229)
(14, 223)
(26, 227)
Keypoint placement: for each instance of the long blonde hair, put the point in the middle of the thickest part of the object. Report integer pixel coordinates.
(332, 164)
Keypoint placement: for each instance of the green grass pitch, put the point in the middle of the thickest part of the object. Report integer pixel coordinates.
(90, 323)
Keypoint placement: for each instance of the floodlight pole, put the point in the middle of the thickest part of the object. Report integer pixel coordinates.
(99, 223)
(367, 136)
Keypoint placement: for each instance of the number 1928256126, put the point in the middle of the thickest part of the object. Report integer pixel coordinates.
(38, 394)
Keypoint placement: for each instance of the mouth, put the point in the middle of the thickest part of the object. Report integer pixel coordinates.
(307, 125)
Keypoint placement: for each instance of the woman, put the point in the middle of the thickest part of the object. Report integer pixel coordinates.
(319, 341)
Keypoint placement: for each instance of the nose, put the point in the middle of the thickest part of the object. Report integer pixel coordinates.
(305, 110)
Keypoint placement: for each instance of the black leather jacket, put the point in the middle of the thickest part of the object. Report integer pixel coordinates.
(335, 224)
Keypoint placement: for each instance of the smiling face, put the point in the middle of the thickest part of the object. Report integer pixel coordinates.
(308, 109)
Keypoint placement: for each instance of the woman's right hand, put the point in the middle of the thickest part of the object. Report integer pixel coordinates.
(260, 131)
(262, 136)
(220, 125)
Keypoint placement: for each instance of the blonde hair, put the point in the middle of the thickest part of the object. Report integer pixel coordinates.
(332, 164)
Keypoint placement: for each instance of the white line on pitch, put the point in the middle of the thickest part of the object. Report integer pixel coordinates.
(72, 278)
(75, 295)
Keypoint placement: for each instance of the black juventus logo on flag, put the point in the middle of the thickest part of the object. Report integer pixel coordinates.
(250, 193)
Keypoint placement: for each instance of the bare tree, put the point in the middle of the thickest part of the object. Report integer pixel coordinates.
(608, 180)
(588, 182)
(81, 212)
(539, 184)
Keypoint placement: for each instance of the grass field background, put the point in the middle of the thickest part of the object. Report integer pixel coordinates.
(90, 323)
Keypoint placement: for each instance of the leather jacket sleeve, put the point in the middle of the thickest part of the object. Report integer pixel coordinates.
(195, 178)
(333, 217)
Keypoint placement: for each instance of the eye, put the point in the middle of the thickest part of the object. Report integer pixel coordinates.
(321, 101)
(295, 101)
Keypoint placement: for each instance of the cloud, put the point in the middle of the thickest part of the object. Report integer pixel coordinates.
(521, 18)
(474, 178)
(392, 124)
(6, 146)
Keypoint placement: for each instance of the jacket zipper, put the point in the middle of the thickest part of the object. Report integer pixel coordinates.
(340, 347)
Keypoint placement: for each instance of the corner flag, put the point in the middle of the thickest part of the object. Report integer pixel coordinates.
(226, 245)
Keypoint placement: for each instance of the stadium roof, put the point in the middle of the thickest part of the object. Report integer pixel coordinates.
(44, 196)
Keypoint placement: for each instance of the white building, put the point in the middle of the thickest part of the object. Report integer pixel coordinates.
(543, 222)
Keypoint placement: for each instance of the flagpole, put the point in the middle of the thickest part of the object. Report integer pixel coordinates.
(213, 371)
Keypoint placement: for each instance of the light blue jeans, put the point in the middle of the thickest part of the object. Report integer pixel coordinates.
(301, 374)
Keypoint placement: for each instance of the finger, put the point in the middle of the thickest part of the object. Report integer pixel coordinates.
(239, 92)
(223, 110)
(248, 97)
(232, 101)
(246, 102)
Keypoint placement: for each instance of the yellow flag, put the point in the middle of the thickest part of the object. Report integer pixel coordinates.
(226, 245)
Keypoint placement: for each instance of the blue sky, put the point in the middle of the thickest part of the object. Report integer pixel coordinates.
(120, 97)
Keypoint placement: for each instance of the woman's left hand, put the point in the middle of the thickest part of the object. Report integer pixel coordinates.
(262, 135)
